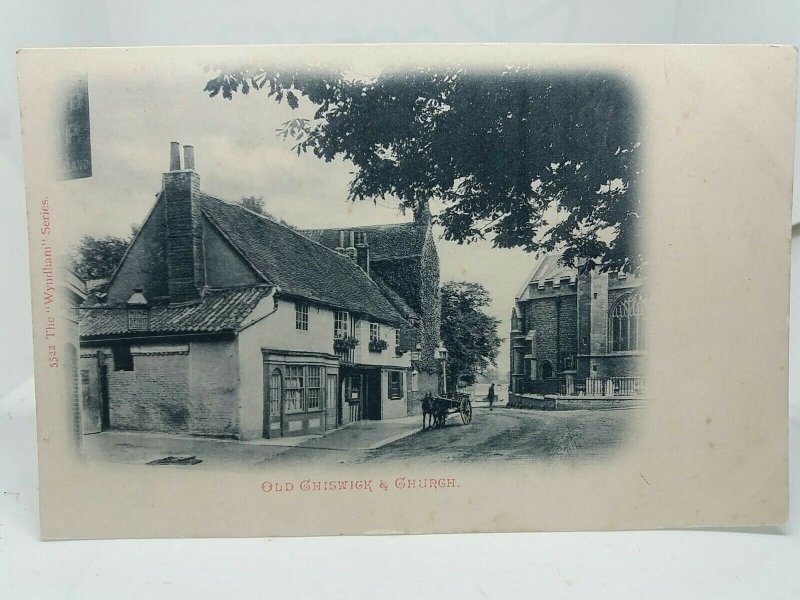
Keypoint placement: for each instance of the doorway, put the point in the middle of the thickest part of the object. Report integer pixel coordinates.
(547, 370)
(350, 405)
(372, 395)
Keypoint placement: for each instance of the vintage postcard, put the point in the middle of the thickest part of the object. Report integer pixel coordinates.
(325, 290)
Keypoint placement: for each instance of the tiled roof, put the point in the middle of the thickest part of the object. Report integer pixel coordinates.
(299, 266)
(386, 242)
(216, 311)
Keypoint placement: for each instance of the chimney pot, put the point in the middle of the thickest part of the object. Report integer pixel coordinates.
(174, 156)
(188, 157)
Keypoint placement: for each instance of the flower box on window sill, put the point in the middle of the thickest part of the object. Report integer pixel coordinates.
(344, 343)
(377, 345)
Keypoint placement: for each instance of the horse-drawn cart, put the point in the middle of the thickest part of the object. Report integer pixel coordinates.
(439, 407)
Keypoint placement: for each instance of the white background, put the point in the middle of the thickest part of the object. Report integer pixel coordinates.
(666, 564)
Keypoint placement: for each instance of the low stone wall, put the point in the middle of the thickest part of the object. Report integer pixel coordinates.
(558, 402)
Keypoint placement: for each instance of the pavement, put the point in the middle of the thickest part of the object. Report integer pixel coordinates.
(185, 451)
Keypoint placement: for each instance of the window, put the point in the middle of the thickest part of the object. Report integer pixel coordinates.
(374, 332)
(395, 384)
(340, 324)
(123, 359)
(302, 388)
(314, 387)
(293, 386)
(275, 387)
(626, 324)
(397, 338)
(301, 316)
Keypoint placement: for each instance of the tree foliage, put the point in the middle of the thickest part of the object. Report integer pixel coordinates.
(97, 258)
(469, 334)
(256, 204)
(533, 159)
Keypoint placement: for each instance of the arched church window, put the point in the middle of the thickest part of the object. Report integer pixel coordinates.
(626, 324)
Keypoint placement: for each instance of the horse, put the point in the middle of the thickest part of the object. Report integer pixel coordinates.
(429, 406)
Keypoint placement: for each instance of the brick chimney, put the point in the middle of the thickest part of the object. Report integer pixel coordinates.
(184, 227)
(362, 251)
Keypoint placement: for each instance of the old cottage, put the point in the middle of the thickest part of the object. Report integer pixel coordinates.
(222, 322)
(402, 260)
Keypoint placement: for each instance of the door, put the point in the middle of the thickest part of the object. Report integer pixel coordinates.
(372, 395)
(273, 406)
(547, 370)
(351, 399)
(331, 385)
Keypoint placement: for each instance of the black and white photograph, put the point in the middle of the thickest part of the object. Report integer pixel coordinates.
(412, 264)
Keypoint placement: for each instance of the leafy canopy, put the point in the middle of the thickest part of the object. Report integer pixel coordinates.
(469, 334)
(97, 258)
(533, 159)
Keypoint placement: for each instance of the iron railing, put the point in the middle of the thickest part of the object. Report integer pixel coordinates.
(591, 386)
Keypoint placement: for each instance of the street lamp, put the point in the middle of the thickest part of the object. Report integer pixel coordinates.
(441, 355)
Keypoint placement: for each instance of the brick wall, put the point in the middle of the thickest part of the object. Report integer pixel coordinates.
(569, 327)
(152, 397)
(556, 328)
(193, 392)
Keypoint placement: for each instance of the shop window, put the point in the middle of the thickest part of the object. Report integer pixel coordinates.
(395, 384)
(313, 387)
(294, 385)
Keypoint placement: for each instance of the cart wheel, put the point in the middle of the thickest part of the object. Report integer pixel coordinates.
(466, 411)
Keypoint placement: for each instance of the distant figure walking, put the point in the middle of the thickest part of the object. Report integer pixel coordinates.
(491, 396)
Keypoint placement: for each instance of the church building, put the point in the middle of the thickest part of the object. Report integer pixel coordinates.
(577, 331)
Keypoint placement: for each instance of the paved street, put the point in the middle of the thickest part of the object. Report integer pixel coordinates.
(500, 435)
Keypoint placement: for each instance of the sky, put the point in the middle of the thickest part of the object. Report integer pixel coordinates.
(136, 113)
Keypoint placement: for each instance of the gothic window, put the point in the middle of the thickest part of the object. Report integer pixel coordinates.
(626, 324)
